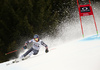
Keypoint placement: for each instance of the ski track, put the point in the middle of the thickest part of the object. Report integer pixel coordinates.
(77, 55)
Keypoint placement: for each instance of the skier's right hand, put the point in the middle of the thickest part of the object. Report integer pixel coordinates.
(25, 47)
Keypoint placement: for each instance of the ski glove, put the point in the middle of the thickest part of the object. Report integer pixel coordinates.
(25, 47)
(46, 51)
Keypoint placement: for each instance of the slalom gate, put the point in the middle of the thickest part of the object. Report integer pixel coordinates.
(86, 10)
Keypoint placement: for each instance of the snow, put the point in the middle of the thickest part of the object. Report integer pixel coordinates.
(81, 54)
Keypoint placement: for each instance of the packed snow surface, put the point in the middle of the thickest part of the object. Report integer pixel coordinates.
(81, 54)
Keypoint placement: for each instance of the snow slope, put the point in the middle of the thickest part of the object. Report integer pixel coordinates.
(82, 54)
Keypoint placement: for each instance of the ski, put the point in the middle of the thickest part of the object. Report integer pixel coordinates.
(16, 60)
(11, 63)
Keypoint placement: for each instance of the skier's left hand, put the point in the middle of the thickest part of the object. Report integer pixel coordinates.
(46, 51)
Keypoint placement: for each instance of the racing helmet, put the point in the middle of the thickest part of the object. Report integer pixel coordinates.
(36, 36)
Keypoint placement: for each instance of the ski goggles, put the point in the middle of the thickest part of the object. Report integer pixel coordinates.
(36, 39)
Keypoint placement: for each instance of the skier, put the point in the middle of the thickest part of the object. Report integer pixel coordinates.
(35, 48)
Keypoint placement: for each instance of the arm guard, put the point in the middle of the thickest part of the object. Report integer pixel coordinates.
(43, 44)
(27, 42)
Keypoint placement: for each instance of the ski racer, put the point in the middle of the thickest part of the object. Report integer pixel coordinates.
(35, 48)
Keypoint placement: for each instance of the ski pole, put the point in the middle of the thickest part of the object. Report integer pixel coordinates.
(12, 52)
